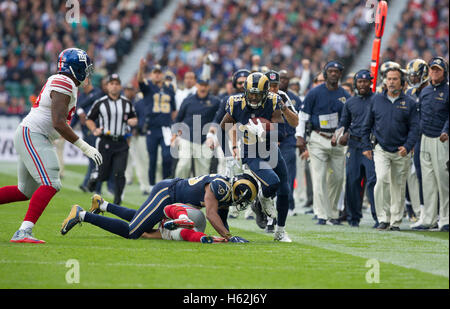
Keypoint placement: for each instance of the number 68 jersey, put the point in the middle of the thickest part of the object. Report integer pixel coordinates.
(39, 119)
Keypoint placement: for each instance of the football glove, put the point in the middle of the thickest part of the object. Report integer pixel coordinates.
(237, 239)
(256, 129)
(89, 151)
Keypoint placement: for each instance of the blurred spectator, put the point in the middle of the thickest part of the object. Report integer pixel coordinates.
(254, 34)
(421, 33)
(33, 33)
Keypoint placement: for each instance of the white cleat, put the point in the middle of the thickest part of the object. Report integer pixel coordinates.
(267, 205)
(281, 236)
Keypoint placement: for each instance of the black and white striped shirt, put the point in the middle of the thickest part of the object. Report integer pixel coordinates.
(112, 115)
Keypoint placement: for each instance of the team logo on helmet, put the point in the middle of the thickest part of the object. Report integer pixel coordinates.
(244, 190)
(417, 73)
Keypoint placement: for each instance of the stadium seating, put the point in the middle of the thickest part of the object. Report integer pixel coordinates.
(421, 33)
(34, 32)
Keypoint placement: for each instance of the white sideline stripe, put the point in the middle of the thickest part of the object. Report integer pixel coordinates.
(151, 265)
(429, 256)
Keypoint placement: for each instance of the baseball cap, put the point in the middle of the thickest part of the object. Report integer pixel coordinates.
(439, 62)
(129, 86)
(114, 76)
(156, 67)
(273, 76)
(203, 81)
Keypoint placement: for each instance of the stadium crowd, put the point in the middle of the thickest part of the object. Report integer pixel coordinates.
(422, 32)
(193, 63)
(34, 32)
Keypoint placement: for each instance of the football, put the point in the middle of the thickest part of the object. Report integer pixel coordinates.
(267, 125)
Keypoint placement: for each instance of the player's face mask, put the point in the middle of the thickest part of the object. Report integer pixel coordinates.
(255, 99)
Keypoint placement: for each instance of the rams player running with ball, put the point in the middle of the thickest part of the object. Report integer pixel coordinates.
(209, 191)
(242, 110)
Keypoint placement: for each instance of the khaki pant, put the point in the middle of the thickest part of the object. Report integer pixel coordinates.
(392, 171)
(433, 156)
(201, 155)
(327, 173)
(413, 187)
(138, 160)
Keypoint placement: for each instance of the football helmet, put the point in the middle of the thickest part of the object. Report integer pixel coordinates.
(417, 73)
(75, 62)
(244, 190)
(256, 89)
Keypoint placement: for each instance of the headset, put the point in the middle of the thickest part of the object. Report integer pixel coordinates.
(365, 74)
(333, 63)
(441, 60)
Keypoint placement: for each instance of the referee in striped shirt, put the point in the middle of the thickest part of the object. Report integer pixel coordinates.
(114, 114)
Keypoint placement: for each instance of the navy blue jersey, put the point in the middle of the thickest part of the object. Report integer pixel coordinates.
(195, 111)
(191, 191)
(241, 113)
(286, 133)
(353, 116)
(324, 106)
(434, 110)
(394, 124)
(159, 103)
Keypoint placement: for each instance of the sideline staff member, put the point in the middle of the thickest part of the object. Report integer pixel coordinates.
(114, 112)
(395, 122)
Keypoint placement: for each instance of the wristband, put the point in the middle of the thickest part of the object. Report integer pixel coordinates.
(81, 144)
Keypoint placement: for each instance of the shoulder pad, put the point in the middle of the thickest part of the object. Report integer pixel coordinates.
(221, 189)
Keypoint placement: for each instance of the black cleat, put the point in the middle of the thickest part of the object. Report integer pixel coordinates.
(261, 218)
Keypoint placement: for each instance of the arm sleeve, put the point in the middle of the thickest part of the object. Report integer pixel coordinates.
(181, 112)
(304, 115)
(346, 118)
(94, 111)
(413, 133)
(367, 128)
(144, 87)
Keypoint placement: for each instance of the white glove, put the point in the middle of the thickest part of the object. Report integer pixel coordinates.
(89, 151)
(256, 129)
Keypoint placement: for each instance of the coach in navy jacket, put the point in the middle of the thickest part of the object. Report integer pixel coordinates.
(394, 119)
(395, 124)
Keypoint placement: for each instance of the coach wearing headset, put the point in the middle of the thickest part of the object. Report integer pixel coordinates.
(434, 146)
(322, 107)
(394, 120)
(357, 165)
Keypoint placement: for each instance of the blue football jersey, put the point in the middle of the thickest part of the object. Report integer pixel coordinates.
(241, 113)
(191, 191)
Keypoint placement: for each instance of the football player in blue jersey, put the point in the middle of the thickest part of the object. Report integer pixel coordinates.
(160, 112)
(417, 76)
(209, 191)
(267, 166)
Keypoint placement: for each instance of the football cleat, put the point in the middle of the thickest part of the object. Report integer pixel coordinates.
(97, 200)
(261, 218)
(281, 236)
(25, 236)
(179, 223)
(72, 220)
(267, 205)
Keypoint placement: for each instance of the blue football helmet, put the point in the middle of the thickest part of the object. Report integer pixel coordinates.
(75, 62)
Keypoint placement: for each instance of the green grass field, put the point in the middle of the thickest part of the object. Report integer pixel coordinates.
(319, 257)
